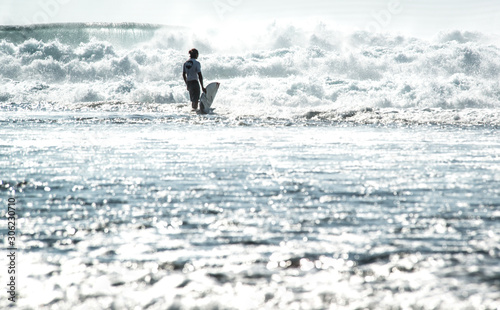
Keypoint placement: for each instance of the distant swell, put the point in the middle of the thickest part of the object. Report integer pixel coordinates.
(282, 70)
(75, 33)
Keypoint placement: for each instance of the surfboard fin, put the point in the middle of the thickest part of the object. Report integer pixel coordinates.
(202, 109)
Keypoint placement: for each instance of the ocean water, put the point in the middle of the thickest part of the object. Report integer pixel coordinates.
(339, 171)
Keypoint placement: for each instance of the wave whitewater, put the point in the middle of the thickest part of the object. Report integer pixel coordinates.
(284, 70)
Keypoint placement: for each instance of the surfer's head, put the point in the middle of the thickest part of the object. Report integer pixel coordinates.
(193, 53)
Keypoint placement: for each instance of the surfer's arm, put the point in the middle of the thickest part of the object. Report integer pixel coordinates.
(200, 76)
(184, 76)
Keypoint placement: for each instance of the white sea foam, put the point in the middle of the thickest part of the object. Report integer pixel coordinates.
(276, 70)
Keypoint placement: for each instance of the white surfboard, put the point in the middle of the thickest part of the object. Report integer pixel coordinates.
(207, 98)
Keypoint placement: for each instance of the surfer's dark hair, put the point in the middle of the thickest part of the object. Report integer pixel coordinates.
(193, 53)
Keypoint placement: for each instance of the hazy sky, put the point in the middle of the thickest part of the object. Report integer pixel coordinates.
(405, 16)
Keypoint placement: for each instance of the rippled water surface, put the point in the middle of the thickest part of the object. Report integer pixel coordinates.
(121, 210)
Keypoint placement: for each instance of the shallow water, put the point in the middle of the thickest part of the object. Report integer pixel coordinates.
(158, 210)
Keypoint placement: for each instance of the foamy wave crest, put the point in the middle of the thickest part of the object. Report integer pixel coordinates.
(280, 70)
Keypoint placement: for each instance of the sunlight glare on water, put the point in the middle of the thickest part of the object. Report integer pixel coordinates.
(189, 215)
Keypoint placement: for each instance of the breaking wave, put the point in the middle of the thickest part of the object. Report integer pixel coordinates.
(280, 70)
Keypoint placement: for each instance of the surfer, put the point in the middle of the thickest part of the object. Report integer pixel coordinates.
(191, 73)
